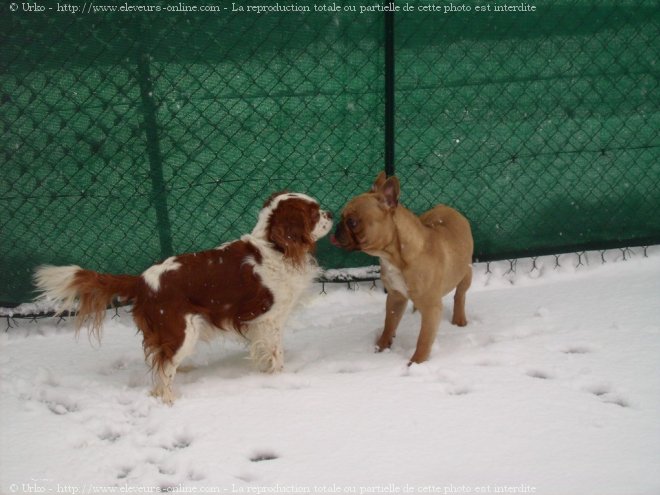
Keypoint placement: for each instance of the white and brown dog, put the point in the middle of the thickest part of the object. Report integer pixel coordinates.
(421, 258)
(248, 286)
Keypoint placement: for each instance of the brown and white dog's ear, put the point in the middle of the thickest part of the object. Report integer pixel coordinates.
(272, 197)
(291, 233)
(378, 183)
(390, 191)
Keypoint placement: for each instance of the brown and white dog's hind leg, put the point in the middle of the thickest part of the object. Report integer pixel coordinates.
(163, 378)
(165, 372)
(395, 306)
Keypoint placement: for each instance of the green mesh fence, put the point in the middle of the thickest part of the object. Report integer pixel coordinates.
(543, 127)
(127, 137)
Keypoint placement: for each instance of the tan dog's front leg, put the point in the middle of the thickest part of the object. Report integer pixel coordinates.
(394, 308)
(431, 314)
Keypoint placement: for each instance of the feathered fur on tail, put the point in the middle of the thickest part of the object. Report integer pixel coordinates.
(89, 293)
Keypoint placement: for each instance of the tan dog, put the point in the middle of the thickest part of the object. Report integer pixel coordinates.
(421, 258)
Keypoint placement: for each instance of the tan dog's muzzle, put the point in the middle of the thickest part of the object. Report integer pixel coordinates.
(343, 237)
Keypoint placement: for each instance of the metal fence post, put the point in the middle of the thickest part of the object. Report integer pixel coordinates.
(389, 92)
(159, 193)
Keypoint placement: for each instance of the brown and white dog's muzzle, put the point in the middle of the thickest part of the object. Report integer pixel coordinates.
(323, 226)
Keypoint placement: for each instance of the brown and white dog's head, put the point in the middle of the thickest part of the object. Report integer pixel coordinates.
(366, 222)
(292, 223)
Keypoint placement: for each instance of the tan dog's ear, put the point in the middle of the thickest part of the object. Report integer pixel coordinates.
(378, 183)
(390, 191)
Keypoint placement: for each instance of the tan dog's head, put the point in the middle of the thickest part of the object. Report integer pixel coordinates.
(366, 222)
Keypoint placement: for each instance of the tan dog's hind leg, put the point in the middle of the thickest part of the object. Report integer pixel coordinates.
(431, 314)
(459, 317)
(394, 308)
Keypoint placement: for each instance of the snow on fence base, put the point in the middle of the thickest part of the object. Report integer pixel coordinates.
(509, 270)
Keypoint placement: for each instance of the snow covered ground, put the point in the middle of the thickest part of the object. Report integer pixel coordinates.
(553, 388)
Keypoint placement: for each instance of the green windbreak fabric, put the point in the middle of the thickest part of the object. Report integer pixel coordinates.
(543, 127)
(128, 137)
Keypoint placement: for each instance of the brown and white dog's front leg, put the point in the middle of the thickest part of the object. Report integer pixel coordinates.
(431, 312)
(266, 350)
(395, 306)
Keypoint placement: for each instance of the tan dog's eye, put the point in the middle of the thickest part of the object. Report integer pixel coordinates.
(352, 223)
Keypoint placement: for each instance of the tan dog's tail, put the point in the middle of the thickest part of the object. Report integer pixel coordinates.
(93, 292)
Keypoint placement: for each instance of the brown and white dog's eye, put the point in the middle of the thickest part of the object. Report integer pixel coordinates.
(352, 223)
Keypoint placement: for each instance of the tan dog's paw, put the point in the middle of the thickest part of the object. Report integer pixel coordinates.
(383, 344)
(459, 320)
(419, 358)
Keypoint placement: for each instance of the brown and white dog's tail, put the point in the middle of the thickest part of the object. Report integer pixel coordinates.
(88, 293)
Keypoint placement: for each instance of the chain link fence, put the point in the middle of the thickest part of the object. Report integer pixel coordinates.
(129, 137)
(544, 127)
